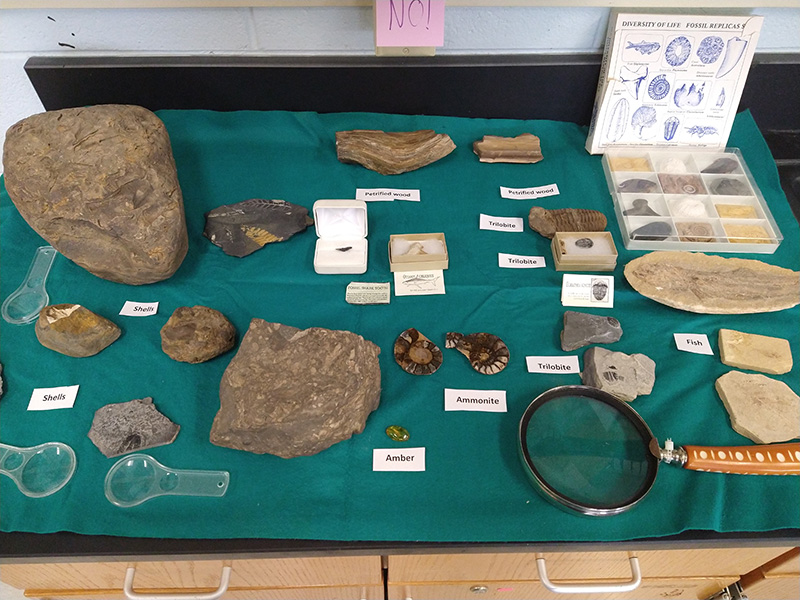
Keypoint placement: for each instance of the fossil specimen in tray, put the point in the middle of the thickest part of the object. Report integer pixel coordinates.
(394, 152)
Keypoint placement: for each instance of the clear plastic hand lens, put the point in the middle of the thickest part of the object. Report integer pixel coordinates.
(139, 477)
(38, 470)
(24, 304)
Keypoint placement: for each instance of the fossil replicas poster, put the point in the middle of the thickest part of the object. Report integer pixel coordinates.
(671, 79)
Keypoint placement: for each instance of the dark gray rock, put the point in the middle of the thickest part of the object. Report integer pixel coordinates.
(637, 186)
(293, 392)
(582, 329)
(74, 330)
(100, 185)
(640, 208)
(722, 165)
(657, 230)
(130, 426)
(242, 228)
(730, 187)
(626, 376)
(197, 334)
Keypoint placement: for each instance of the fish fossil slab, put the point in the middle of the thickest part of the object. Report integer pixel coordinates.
(548, 222)
(525, 148)
(394, 152)
(416, 354)
(702, 283)
(487, 353)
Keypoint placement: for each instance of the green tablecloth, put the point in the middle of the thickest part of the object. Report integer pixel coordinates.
(474, 488)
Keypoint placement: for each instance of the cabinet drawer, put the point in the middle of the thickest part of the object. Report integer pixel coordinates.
(717, 562)
(374, 592)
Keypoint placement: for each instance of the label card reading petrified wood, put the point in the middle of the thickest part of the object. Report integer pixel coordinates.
(516, 261)
(396, 459)
(53, 398)
(386, 194)
(501, 223)
(696, 343)
(529, 193)
(139, 309)
(557, 365)
(475, 400)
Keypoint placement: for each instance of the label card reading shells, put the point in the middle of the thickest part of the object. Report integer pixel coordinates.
(696, 343)
(368, 293)
(53, 398)
(515, 261)
(386, 194)
(595, 291)
(418, 283)
(557, 365)
(529, 193)
(475, 400)
(139, 309)
(501, 223)
(395, 459)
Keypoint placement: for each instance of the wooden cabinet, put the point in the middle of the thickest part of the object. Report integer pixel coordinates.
(779, 579)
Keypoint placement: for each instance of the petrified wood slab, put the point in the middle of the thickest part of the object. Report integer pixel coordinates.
(392, 153)
(525, 148)
(196, 334)
(293, 392)
(130, 426)
(548, 221)
(74, 330)
(100, 185)
(702, 283)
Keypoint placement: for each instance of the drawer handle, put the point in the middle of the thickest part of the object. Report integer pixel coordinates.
(127, 588)
(579, 588)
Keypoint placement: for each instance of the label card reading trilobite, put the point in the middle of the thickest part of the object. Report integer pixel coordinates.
(396, 459)
(595, 291)
(529, 193)
(501, 223)
(139, 309)
(418, 283)
(515, 261)
(53, 398)
(386, 195)
(696, 343)
(555, 365)
(475, 400)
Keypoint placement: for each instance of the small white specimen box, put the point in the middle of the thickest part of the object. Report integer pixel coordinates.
(342, 231)
(417, 252)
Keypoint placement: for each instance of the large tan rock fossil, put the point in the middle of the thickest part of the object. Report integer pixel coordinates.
(392, 153)
(755, 352)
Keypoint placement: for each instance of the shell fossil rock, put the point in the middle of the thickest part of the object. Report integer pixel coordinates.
(548, 222)
(394, 152)
(416, 354)
(487, 353)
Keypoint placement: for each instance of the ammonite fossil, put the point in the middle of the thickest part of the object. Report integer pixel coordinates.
(416, 354)
(487, 353)
(548, 222)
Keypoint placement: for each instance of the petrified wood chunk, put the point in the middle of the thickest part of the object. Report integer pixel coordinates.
(548, 222)
(702, 283)
(74, 330)
(197, 334)
(394, 152)
(762, 409)
(293, 392)
(242, 228)
(100, 185)
(755, 352)
(525, 148)
(130, 426)
(582, 329)
(626, 376)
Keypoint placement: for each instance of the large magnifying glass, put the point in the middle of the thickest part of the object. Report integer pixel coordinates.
(588, 451)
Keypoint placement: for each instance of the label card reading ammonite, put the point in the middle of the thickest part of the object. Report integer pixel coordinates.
(396, 459)
(515, 261)
(696, 343)
(501, 223)
(53, 398)
(386, 195)
(556, 365)
(594, 291)
(139, 309)
(475, 400)
(529, 193)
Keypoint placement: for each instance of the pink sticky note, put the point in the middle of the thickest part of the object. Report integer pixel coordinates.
(409, 22)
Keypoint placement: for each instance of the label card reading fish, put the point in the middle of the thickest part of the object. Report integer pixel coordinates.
(139, 309)
(392, 459)
(595, 291)
(475, 400)
(696, 343)
(529, 193)
(418, 283)
(368, 293)
(501, 223)
(557, 365)
(515, 261)
(53, 398)
(386, 195)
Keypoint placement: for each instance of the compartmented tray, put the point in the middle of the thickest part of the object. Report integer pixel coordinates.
(699, 200)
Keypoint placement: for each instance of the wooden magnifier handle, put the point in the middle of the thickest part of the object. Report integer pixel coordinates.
(770, 459)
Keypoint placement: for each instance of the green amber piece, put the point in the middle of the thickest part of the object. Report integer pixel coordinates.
(397, 433)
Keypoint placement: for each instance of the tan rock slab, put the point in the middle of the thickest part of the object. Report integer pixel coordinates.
(393, 152)
(525, 148)
(755, 352)
(74, 330)
(703, 283)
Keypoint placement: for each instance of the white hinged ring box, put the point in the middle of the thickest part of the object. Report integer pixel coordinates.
(342, 231)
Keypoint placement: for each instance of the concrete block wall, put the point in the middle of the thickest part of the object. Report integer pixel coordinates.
(311, 31)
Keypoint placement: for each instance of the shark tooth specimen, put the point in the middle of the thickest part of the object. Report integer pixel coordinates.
(487, 353)
(394, 152)
(525, 148)
(703, 283)
(125, 427)
(416, 354)
(548, 222)
(242, 228)
(74, 330)
(197, 334)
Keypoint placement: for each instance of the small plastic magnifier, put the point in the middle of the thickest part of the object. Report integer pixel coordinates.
(24, 304)
(38, 470)
(139, 477)
(588, 451)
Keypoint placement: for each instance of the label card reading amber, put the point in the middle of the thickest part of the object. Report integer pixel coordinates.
(396, 459)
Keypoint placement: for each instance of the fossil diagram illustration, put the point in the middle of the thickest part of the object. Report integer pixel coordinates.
(733, 53)
(721, 98)
(658, 88)
(710, 49)
(643, 118)
(701, 130)
(633, 78)
(671, 127)
(678, 51)
(644, 47)
(691, 97)
(618, 120)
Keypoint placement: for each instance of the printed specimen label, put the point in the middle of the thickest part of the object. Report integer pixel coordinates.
(559, 365)
(475, 400)
(696, 343)
(587, 290)
(53, 398)
(529, 193)
(501, 223)
(516, 261)
(386, 195)
(397, 459)
(139, 309)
